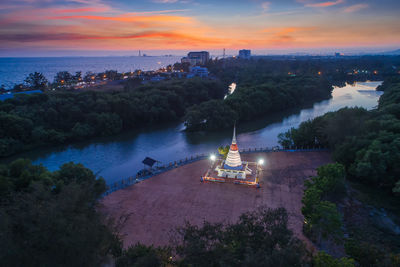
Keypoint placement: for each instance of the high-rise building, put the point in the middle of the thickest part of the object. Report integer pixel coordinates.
(244, 53)
(196, 58)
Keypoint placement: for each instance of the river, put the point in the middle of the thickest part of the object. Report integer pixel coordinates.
(120, 156)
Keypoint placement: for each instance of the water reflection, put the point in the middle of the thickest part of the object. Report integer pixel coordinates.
(231, 89)
(119, 157)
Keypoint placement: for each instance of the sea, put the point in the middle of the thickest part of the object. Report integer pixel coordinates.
(15, 70)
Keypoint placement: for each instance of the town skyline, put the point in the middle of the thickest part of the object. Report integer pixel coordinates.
(101, 27)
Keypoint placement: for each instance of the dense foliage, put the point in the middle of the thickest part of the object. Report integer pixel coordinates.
(145, 256)
(367, 143)
(256, 97)
(258, 238)
(58, 117)
(321, 217)
(271, 84)
(36, 81)
(50, 218)
(337, 70)
(322, 259)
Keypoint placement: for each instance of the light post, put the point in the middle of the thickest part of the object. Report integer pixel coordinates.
(260, 162)
(212, 158)
(259, 170)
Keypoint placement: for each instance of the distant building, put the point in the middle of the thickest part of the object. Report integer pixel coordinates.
(198, 71)
(244, 53)
(196, 58)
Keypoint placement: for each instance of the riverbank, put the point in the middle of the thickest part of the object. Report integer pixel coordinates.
(155, 207)
(118, 157)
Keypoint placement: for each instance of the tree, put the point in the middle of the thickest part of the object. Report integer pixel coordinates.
(147, 256)
(36, 81)
(396, 189)
(63, 78)
(78, 76)
(19, 87)
(321, 217)
(223, 151)
(331, 179)
(259, 238)
(111, 74)
(326, 221)
(322, 259)
(89, 77)
(51, 219)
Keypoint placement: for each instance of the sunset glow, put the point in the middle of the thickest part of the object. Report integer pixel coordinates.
(41, 25)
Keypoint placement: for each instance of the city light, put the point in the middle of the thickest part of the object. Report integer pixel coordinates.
(213, 157)
(260, 162)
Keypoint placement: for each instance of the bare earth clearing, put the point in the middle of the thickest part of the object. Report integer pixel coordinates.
(162, 203)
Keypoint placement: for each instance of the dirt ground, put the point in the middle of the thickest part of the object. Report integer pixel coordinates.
(160, 204)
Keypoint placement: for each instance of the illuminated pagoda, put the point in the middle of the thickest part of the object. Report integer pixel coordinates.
(232, 166)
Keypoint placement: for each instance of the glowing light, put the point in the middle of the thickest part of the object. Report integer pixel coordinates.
(261, 162)
(319, 73)
(213, 157)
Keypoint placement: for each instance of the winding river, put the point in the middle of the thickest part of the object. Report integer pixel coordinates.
(120, 156)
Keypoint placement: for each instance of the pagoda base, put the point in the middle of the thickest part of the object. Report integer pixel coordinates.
(247, 176)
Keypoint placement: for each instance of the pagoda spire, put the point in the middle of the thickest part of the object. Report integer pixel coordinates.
(234, 135)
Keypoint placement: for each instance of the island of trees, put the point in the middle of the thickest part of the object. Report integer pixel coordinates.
(65, 115)
(56, 117)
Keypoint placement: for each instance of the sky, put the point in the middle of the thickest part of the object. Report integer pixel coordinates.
(122, 27)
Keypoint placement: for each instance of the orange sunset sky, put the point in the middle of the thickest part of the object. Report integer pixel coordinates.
(31, 27)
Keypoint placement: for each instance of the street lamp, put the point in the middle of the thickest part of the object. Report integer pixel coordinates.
(260, 162)
(212, 157)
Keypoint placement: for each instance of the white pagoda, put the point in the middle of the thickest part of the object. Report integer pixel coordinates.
(232, 166)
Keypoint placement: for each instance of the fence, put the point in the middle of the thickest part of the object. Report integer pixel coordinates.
(166, 167)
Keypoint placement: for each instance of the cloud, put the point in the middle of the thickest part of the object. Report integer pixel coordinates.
(170, 37)
(307, 3)
(79, 10)
(150, 19)
(265, 6)
(355, 8)
(98, 25)
(165, 1)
